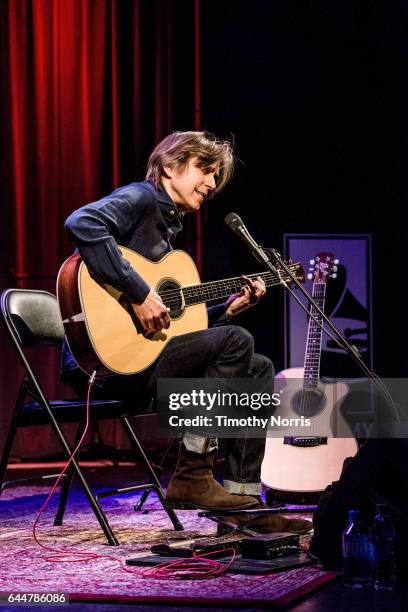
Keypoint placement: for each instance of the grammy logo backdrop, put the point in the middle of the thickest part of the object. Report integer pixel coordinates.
(348, 301)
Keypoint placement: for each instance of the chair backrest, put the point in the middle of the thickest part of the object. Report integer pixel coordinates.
(32, 317)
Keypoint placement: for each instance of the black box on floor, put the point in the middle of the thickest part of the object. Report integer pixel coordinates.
(270, 546)
(258, 567)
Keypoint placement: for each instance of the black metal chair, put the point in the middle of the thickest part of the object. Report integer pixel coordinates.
(32, 318)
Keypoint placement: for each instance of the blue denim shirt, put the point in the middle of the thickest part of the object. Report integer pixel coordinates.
(138, 216)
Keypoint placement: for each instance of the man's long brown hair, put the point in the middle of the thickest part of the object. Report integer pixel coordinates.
(179, 147)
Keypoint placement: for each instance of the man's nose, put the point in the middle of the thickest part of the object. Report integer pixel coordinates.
(210, 181)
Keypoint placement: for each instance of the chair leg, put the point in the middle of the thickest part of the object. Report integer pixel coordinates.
(95, 505)
(10, 436)
(66, 485)
(149, 471)
(143, 497)
(160, 466)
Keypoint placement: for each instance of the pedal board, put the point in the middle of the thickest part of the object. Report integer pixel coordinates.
(240, 566)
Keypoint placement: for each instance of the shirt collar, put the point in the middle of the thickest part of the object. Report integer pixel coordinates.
(169, 210)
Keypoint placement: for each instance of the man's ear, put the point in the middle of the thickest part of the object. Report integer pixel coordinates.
(168, 172)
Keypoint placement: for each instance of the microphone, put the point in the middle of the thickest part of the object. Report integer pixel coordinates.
(234, 221)
(236, 224)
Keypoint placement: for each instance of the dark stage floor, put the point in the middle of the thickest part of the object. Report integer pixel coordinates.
(330, 597)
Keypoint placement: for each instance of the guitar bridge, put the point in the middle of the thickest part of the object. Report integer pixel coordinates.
(305, 441)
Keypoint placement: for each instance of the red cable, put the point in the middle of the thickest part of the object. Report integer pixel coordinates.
(61, 553)
(191, 568)
(196, 567)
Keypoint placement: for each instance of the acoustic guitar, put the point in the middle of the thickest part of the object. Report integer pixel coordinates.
(307, 464)
(102, 329)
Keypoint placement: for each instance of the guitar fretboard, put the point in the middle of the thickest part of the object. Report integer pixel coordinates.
(314, 340)
(215, 290)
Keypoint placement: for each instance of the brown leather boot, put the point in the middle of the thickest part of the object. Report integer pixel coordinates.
(194, 486)
(268, 523)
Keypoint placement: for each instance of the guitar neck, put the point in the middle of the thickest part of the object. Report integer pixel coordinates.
(215, 290)
(314, 339)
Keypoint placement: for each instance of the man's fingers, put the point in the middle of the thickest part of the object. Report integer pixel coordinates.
(261, 282)
(260, 288)
(153, 325)
(248, 283)
(253, 290)
(165, 319)
(250, 289)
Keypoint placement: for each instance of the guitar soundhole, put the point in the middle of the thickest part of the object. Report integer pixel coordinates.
(170, 292)
(308, 403)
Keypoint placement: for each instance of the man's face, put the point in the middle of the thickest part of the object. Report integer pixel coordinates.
(190, 186)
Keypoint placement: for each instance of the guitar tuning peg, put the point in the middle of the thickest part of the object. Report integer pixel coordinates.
(336, 261)
(311, 269)
(310, 276)
(335, 268)
(312, 262)
(334, 275)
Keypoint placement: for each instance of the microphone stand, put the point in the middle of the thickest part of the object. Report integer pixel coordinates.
(263, 256)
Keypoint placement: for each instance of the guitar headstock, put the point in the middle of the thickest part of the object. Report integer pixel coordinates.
(324, 267)
(296, 269)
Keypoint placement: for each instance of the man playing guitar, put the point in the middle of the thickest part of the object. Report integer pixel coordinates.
(184, 171)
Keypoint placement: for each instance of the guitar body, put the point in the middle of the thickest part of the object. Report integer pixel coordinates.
(101, 331)
(290, 468)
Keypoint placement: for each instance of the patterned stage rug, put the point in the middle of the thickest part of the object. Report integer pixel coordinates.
(24, 568)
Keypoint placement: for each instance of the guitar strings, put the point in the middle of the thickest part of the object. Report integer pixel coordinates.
(203, 286)
(270, 279)
(307, 393)
(264, 275)
(172, 297)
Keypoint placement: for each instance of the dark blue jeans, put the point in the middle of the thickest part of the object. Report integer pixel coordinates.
(218, 352)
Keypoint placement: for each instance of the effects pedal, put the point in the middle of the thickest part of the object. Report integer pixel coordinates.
(270, 546)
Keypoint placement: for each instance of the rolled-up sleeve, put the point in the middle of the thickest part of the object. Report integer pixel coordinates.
(97, 228)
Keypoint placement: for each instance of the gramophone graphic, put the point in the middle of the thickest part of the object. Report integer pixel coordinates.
(347, 303)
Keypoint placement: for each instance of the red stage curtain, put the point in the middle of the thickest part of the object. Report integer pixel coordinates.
(86, 90)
